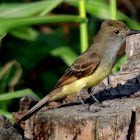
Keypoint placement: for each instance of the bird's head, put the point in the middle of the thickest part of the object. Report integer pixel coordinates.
(111, 36)
(116, 30)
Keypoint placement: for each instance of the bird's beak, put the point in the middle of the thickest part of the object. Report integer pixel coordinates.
(131, 32)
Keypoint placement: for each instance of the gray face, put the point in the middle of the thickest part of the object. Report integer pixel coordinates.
(110, 37)
(113, 40)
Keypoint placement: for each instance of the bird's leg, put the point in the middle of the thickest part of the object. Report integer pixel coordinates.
(82, 102)
(93, 97)
(90, 93)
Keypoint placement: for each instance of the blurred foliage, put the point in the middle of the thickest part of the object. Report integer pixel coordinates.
(43, 37)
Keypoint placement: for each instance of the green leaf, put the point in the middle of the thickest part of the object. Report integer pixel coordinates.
(27, 9)
(101, 10)
(66, 54)
(52, 5)
(27, 33)
(36, 51)
(16, 94)
(96, 8)
(6, 24)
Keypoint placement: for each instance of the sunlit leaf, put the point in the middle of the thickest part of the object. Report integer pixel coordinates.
(101, 10)
(6, 24)
(26, 9)
(16, 94)
(50, 7)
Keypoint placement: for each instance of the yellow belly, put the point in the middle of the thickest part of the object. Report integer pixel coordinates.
(87, 82)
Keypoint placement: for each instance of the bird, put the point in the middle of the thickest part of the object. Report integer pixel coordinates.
(91, 67)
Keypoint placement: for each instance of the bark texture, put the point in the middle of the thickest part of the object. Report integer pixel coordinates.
(7, 131)
(118, 120)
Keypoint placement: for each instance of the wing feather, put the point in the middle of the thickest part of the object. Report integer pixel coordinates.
(82, 67)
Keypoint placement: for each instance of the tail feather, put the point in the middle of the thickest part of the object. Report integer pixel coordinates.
(53, 96)
(34, 109)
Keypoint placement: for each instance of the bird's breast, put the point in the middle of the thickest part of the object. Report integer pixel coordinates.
(95, 78)
(101, 73)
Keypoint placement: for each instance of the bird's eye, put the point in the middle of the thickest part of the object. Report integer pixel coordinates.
(117, 32)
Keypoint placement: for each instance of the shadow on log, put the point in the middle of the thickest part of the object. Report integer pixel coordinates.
(119, 120)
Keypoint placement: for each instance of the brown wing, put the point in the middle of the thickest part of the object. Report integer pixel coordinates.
(83, 66)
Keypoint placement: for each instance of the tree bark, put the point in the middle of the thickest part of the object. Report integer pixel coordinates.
(7, 131)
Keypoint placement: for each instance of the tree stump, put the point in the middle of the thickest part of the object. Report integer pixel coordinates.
(118, 120)
(7, 131)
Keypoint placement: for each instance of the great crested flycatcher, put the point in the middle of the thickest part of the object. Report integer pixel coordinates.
(92, 66)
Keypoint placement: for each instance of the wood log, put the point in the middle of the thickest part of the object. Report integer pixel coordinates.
(118, 120)
(114, 122)
(7, 131)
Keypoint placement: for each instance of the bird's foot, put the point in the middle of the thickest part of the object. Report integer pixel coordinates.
(82, 102)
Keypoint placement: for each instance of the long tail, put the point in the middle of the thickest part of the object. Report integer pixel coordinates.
(52, 96)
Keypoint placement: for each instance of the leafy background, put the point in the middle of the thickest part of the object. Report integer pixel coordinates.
(39, 40)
